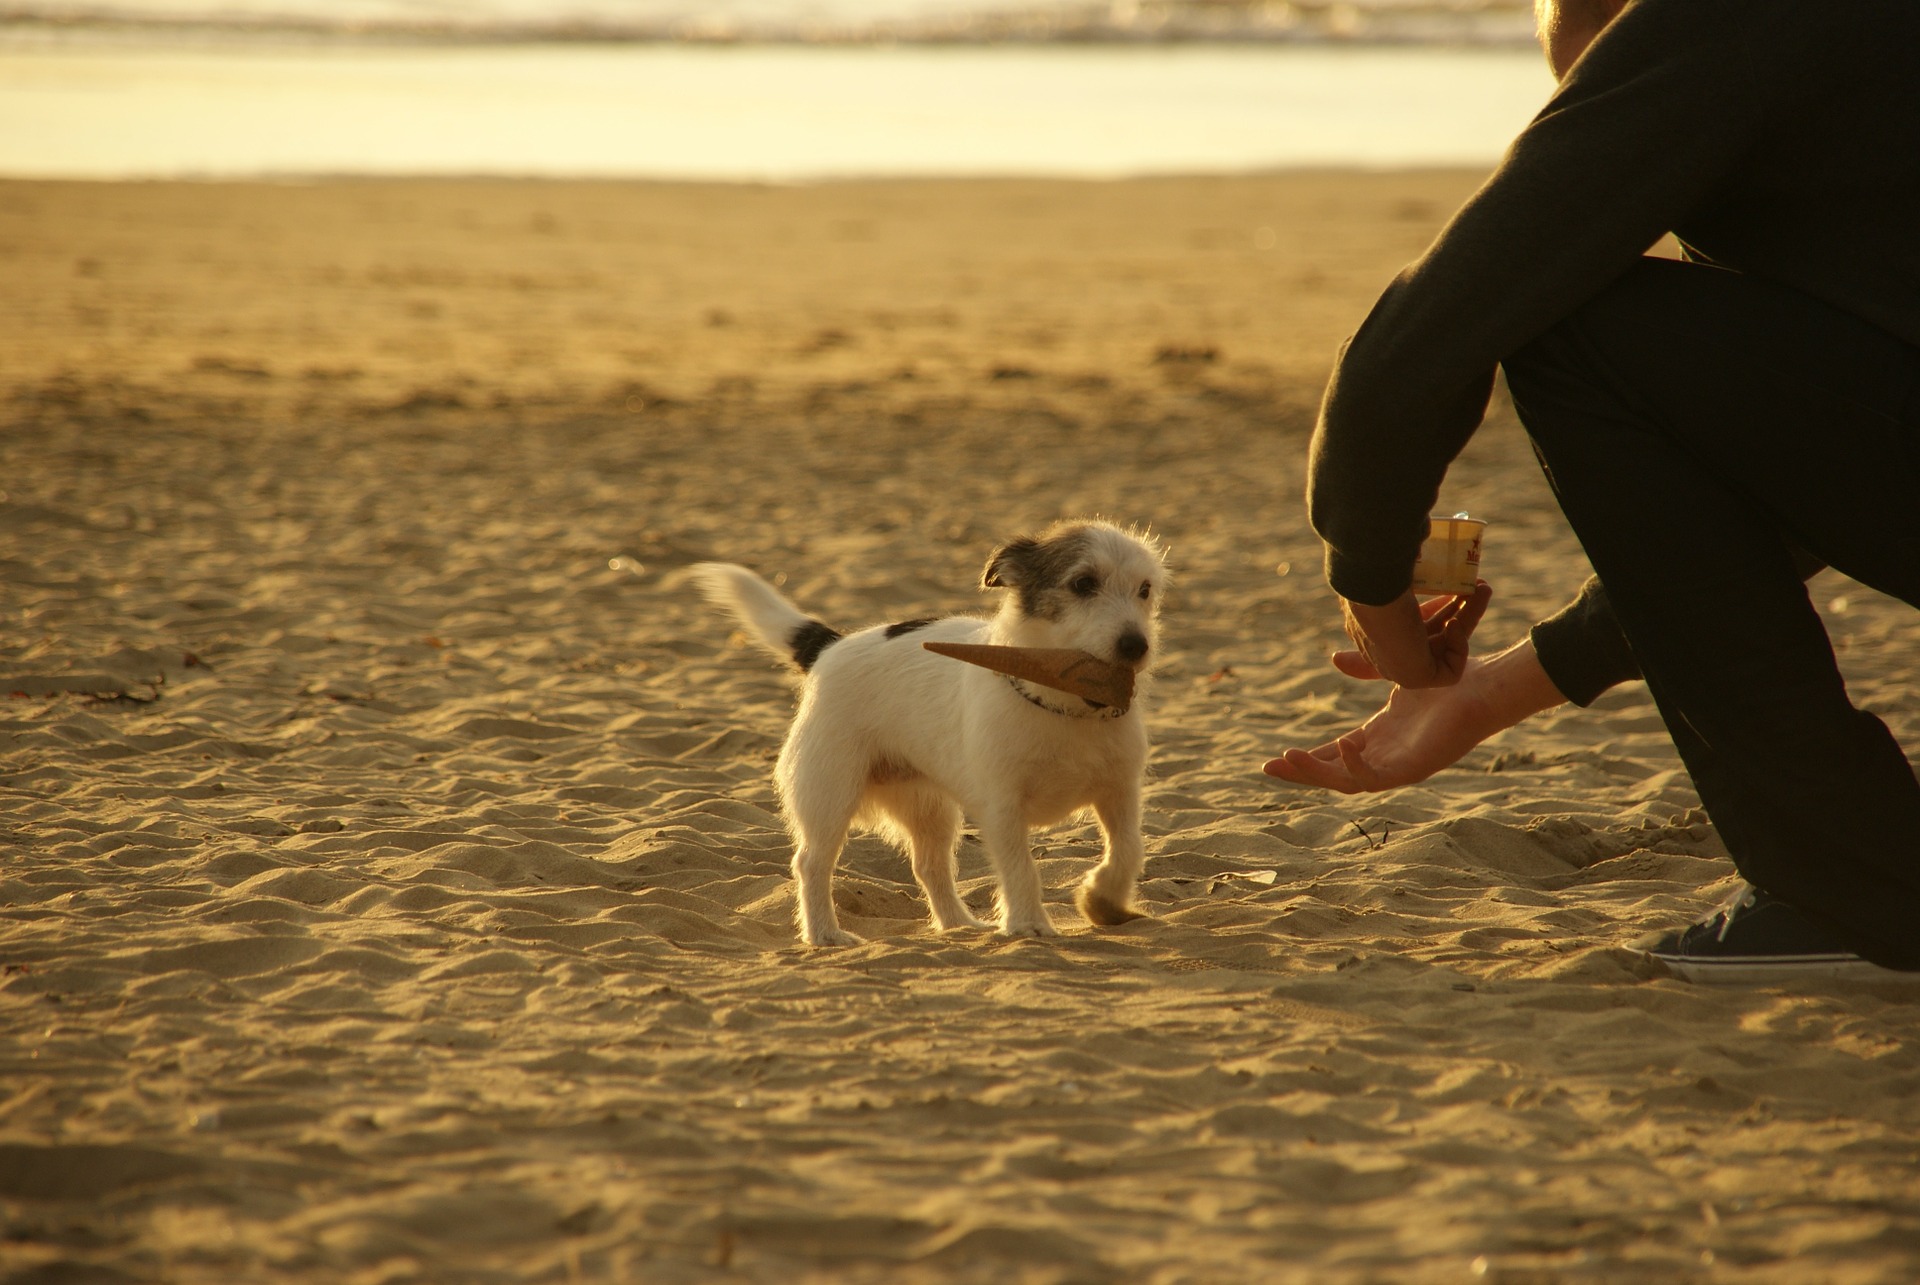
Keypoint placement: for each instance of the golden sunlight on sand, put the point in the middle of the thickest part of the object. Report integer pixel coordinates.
(391, 889)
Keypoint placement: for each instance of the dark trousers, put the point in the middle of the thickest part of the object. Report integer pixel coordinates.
(1697, 425)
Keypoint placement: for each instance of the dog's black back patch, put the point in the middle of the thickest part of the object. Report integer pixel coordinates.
(809, 640)
(906, 627)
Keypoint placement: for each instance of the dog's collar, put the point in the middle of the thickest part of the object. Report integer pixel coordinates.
(1093, 709)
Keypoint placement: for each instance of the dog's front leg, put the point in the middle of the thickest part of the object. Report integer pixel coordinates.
(1106, 895)
(1004, 835)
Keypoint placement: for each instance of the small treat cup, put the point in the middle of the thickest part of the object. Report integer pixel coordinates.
(1450, 558)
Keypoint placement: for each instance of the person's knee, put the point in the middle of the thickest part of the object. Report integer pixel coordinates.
(1539, 374)
(1554, 380)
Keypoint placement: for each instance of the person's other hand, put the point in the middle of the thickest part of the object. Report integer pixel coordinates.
(1411, 643)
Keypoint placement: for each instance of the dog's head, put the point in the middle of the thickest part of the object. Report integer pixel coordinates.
(1083, 584)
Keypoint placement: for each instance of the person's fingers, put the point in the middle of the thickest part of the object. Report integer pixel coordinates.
(1449, 630)
(1457, 611)
(1353, 758)
(1438, 611)
(1303, 767)
(1452, 643)
(1355, 635)
(1471, 608)
(1354, 664)
(1288, 767)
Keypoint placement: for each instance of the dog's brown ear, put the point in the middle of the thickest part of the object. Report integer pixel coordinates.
(1003, 568)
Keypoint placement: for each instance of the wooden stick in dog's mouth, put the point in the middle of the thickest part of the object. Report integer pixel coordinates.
(1078, 673)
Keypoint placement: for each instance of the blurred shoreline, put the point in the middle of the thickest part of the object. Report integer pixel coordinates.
(984, 22)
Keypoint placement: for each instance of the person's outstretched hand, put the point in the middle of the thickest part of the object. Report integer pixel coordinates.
(1418, 732)
(1422, 730)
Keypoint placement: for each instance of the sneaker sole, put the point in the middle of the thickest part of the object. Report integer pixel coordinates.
(1742, 969)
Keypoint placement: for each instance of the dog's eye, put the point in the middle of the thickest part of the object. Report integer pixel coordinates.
(1146, 589)
(1086, 586)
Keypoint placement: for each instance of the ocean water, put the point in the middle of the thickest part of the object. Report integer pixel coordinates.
(482, 13)
(1473, 21)
(124, 108)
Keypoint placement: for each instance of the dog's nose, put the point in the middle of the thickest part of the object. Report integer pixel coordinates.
(1131, 647)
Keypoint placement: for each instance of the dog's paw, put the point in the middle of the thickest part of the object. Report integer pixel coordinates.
(834, 937)
(1104, 910)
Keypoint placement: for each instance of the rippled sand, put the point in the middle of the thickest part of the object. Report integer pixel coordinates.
(391, 890)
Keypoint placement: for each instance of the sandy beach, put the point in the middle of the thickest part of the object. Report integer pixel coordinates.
(393, 890)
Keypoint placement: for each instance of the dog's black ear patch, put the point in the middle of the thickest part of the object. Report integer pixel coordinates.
(1004, 567)
(1032, 567)
(809, 640)
(906, 627)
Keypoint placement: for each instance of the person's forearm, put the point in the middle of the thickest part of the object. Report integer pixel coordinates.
(1510, 687)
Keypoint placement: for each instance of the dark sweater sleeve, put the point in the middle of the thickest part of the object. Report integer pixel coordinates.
(1581, 646)
(1658, 110)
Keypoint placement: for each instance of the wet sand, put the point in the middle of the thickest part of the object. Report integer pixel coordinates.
(392, 890)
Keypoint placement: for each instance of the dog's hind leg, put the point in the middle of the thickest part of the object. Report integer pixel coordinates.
(1105, 896)
(820, 809)
(932, 825)
(1004, 832)
(814, 857)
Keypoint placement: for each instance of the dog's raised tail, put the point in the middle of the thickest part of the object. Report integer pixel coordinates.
(775, 623)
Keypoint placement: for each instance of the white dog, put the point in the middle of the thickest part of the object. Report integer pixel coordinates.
(904, 741)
